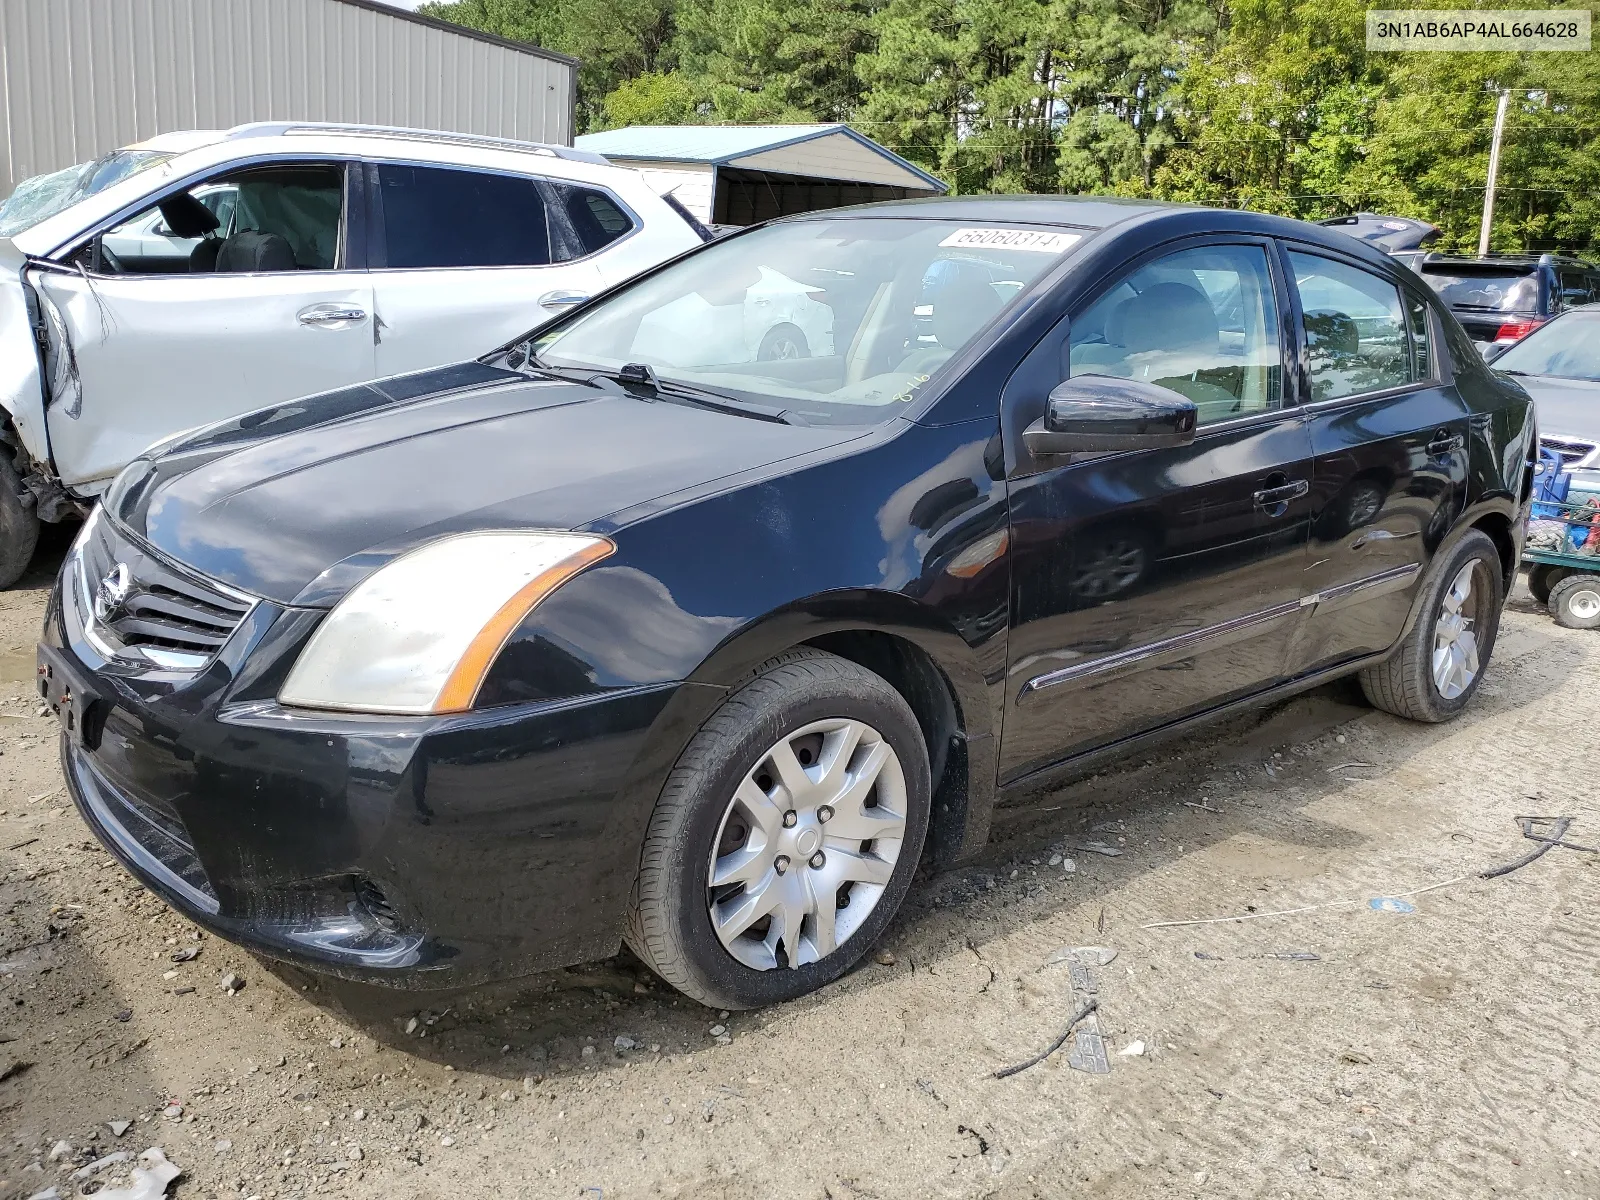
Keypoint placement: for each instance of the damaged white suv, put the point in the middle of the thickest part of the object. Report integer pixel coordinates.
(201, 275)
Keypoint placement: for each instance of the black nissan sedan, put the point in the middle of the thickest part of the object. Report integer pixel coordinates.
(637, 630)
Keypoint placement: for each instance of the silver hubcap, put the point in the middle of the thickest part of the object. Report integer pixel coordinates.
(1584, 604)
(1455, 645)
(807, 845)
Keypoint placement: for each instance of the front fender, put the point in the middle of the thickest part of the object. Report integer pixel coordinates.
(21, 371)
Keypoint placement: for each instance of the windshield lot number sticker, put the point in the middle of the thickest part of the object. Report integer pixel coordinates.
(1011, 239)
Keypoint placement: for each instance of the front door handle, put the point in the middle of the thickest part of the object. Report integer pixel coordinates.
(557, 300)
(1278, 497)
(331, 314)
(1443, 444)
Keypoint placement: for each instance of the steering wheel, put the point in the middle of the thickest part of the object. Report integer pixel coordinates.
(110, 264)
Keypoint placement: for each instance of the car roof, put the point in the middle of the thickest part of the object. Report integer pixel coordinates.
(1154, 217)
(206, 150)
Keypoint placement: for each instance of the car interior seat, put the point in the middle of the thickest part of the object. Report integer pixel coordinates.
(251, 250)
(963, 303)
(187, 218)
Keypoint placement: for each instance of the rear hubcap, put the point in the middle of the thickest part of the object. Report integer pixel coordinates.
(807, 845)
(1455, 638)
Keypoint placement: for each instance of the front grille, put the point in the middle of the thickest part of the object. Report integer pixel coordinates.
(139, 607)
(1572, 450)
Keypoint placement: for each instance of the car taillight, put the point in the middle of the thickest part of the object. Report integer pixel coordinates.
(1512, 330)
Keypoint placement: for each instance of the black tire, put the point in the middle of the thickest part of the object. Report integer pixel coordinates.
(1575, 602)
(1404, 683)
(784, 341)
(19, 525)
(669, 922)
(1541, 578)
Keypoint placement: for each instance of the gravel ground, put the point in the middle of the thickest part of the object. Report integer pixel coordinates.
(1338, 1051)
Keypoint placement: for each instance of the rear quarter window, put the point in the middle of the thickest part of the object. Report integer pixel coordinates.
(596, 218)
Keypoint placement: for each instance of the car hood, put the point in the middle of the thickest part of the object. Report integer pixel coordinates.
(1568, 407)
(298, 503)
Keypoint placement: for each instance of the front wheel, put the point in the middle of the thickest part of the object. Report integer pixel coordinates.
(19, 526)
(1575, 602)
(785, 837)
(1437, 668)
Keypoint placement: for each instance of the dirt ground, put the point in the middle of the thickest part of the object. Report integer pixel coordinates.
(1344, 1050)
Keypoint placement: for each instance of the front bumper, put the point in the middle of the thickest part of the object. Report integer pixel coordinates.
(418, 852)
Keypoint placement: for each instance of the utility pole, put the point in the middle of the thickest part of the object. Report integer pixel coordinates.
(1494, 173)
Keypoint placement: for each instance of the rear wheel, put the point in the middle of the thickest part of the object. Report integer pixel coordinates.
(1437, 668)
(19, 525)
(1575, 602)
(1541, 578)
(786, 836)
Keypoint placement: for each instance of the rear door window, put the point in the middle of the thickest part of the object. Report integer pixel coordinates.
(438, 217)
(1355, 328)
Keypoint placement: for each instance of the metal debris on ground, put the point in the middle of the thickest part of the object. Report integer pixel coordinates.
(1083, 1011)
(1088, 1053)
(1547, 842)
(150, 1180)
(1093, 956)
(1344, 766)
(1295, 956)
(1202, 807)
(1096, 848)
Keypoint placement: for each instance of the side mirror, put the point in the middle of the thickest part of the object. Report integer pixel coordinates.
(1101, 412)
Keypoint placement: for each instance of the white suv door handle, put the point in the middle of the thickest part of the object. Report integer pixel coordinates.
(331, 314)
(561, 299)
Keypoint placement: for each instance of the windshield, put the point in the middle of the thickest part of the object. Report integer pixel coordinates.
(1567, 348)
(832, 320)
(1491, 291)
(37, 199)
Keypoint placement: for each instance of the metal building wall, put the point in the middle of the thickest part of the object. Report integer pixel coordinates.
(80, 77)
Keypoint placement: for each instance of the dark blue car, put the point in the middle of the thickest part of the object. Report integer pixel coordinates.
(486, 670)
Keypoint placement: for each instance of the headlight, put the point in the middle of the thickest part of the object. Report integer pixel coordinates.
(418, 635)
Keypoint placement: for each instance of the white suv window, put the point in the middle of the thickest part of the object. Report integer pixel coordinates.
(439, 217)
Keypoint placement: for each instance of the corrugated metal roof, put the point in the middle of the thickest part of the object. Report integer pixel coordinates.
(719, 145)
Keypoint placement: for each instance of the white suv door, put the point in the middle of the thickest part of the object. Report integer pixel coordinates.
(277, 315)
(464, 259)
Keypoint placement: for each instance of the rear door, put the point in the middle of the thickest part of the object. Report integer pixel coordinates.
(1148, 586)
(139, 355)
(1389, 433)
(464, 260)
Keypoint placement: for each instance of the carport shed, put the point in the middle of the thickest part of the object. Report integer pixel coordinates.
(741, 174)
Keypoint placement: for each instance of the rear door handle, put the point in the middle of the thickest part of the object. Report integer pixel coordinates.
(331, 314)
(1273, 497)
(1445, 445)
(558, 299)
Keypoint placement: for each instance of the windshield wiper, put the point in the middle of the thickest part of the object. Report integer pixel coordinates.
(644, 375)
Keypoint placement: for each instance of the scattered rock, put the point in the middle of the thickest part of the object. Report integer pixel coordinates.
(61, 1150)
(447, 1140)
(360, 1114)
(718, 1030)
(884, 958)
(232, 984)
(336, 1043)
(1354, 1056)
(355, 1154)
(183, 991)
(411, 1025)
(172, 1111)
(50, 1193)
(624, 1043)
(1131, 1050)
(187, 954)
(118, 1128)
(125, 1014)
